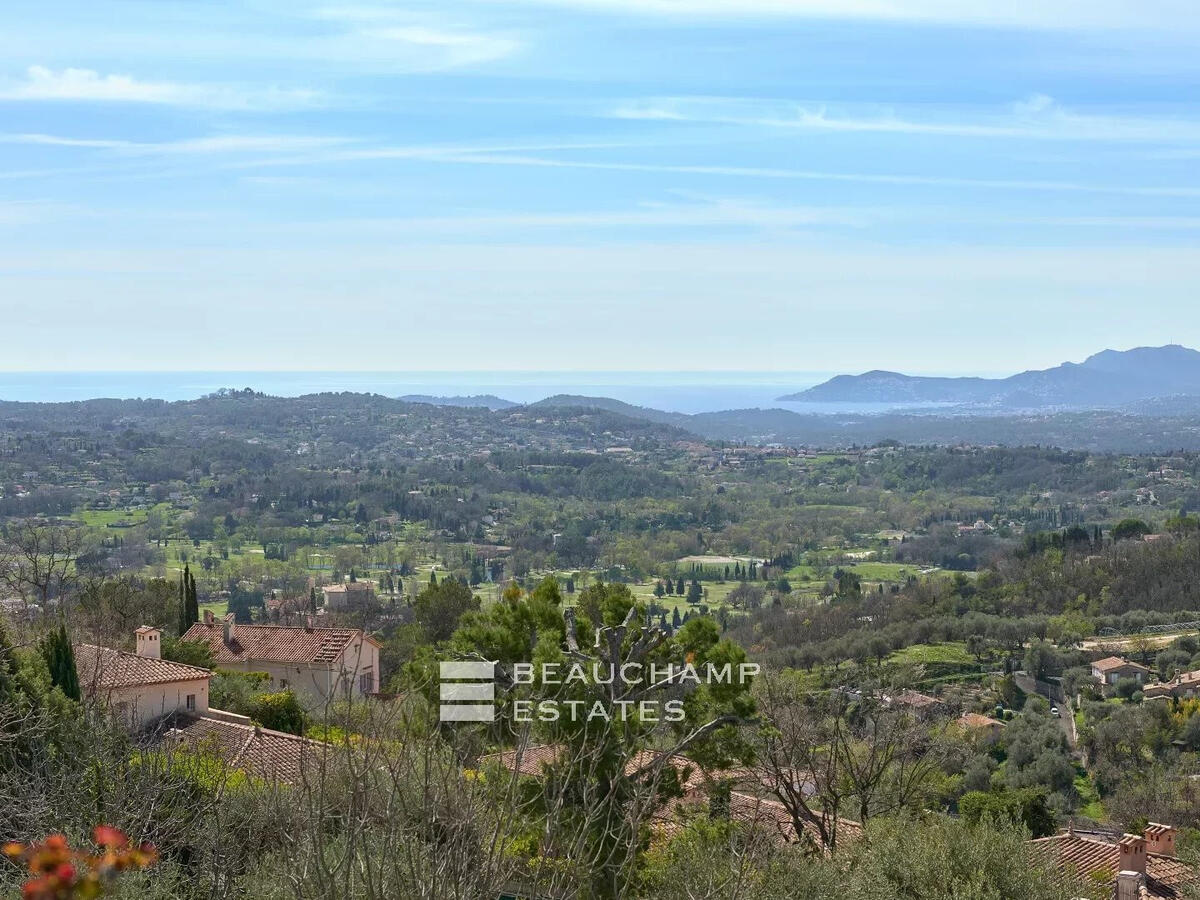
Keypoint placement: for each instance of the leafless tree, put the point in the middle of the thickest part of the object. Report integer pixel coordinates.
(37, 559)
(829, 754)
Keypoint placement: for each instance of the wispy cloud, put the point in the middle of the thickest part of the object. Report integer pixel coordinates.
(1158, 15)
(451, 49)
(216, 144)
(257, 152)
(30, 212)
(486, 158)
(1037, 117)
(717, 213)
(85, 85)
(422, 42)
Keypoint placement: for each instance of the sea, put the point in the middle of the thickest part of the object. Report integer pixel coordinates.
(683, 392)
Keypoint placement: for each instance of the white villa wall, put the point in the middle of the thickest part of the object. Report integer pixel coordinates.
(144, 703)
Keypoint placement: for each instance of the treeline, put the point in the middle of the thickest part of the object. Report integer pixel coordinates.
(1061, 591)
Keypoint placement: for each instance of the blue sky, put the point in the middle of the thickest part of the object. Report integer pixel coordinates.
(817, 185)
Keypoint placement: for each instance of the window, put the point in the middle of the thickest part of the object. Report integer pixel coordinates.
(366, 683)
(191, 702)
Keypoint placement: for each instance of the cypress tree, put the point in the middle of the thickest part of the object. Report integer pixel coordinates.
(184, 624)
(60, 659)
(189, 612)
(194, 602)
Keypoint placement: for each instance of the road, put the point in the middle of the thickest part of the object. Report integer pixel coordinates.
(1066, 719)
(1116, 643)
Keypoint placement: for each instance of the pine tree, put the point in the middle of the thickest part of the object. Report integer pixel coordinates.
(675, 620)
(312, 600)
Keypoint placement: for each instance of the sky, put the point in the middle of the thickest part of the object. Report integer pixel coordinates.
(934, 186)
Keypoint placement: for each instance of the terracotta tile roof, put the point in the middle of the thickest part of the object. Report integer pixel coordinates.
(533, 761)
(348, 587)
(274, 643)
(1110, 663)
(770, 815)
(743, 806)
(1182, 680)
(917, 700)
(261, 752)
(528, 761)
(104, 668)
(1093, 856)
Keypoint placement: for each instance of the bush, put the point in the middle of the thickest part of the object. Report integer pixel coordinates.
(190, 653)
(280, 711)
(1126, 688)
(1026, 808)
(235, 691)
(1128, 529)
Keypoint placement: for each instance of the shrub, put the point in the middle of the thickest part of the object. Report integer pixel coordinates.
(280, 711)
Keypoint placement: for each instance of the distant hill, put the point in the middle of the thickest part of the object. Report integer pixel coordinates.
(483, 401)
(576, 401)
(1107, 379)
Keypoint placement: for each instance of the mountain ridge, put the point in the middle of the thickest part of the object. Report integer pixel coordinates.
(485, 401)
(1103, 380)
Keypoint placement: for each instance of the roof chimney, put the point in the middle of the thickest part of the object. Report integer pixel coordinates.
(1132, 854)
(149, 644)
(1129, 885)
(230, 628)
(308, 623)
(208, 618)
(1160, 839)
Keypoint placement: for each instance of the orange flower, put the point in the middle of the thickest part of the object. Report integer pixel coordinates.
(39, 888)
(65, 874)
(107, 836)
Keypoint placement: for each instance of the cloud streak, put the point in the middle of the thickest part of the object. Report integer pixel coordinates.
(1156, 15)
(42, 84)
(469, 157)
(1035, 118)
(216, 144)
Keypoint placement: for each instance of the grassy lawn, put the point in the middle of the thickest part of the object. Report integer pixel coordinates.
(800, 574)
(883, 571)
(1089, 800)
(217, 607)
(954, 653)
(103, 518)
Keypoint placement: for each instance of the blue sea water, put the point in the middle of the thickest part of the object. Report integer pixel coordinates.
(685, 392)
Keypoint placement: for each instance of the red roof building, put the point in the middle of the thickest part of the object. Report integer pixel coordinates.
(319, 664)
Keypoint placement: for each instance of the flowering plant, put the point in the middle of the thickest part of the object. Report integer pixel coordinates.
(58, 872)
